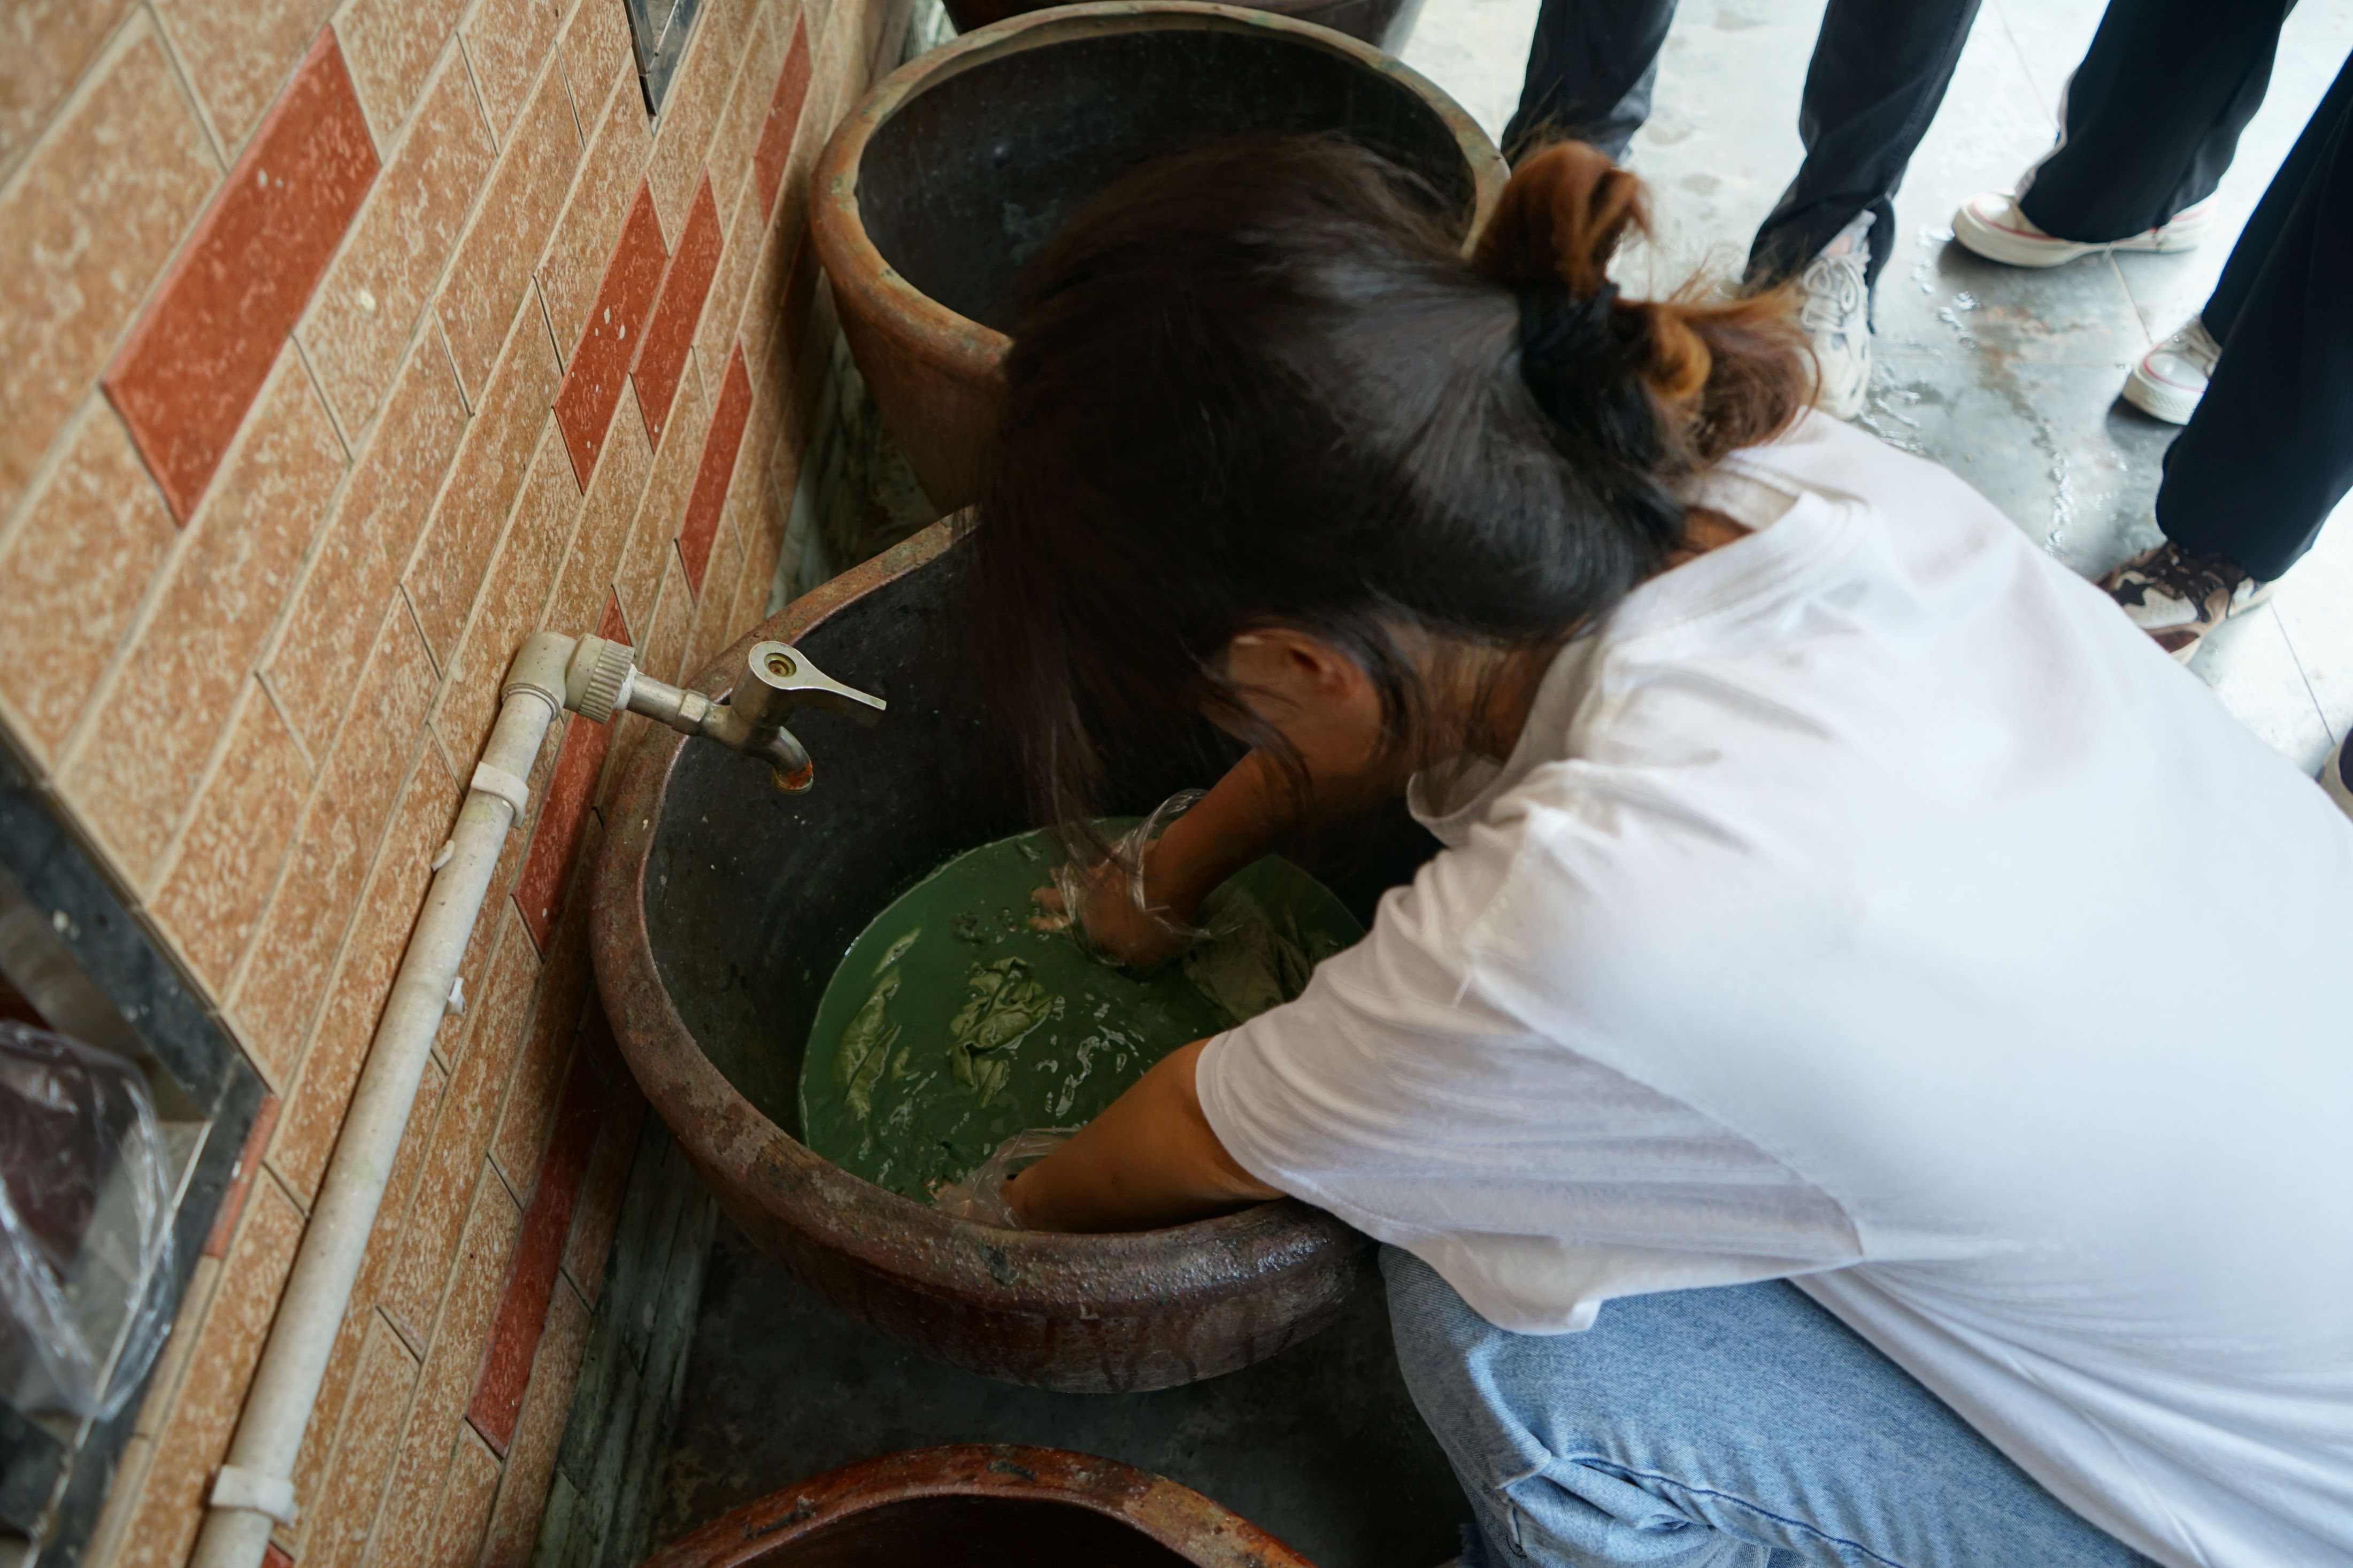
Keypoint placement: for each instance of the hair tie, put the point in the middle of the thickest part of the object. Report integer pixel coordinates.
(1582, 364)
(1565, 335)
(1556, 321)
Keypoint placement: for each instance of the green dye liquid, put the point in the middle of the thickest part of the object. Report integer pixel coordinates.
(953, 1024)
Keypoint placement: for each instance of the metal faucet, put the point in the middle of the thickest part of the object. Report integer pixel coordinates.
(602, 679)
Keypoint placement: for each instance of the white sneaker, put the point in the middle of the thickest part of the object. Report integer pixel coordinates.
(2171, 377)
(1835, 291)
(1992, 225)
(2336, 776)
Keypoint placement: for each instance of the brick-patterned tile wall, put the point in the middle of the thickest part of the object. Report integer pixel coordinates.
(348, 342)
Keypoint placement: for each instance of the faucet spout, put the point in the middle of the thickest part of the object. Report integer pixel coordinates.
(776, 679)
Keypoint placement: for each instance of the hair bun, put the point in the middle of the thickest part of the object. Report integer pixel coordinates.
(1560, 219)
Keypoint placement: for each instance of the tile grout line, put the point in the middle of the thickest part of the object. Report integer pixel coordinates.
(327, 406)
(2295, 657)
(187, 84)
(2025, 68)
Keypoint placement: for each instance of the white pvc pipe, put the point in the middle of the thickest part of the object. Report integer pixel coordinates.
(253, 1490)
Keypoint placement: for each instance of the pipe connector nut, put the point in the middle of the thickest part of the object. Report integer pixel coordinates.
(598, 684)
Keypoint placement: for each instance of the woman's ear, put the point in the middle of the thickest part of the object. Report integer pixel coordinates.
(1293, 669)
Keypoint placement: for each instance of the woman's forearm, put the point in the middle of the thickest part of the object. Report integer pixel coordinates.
(1237, 821)
(1150, 1160)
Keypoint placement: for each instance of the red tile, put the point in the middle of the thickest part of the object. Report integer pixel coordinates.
(240, 1177)
(661, 352)
(197, 359)
(563, 814)
(800, 289)
(599, 362)
(707, 502)
(775, 145)
(523, 1313)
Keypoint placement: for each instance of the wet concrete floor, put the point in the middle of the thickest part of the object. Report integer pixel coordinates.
(2008, 376)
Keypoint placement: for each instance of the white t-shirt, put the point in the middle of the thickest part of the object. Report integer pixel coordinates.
(1867, 902)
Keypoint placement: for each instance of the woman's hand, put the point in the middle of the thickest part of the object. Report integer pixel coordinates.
(1237, 822)
(1107, 917)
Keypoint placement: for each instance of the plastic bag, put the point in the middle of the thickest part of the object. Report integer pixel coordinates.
(980, 1197)
(85, 1225)
(1126, 857)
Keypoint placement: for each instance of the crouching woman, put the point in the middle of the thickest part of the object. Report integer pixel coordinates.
(1865, 1080)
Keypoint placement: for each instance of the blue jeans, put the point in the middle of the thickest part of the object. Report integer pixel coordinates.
(1742, 1427)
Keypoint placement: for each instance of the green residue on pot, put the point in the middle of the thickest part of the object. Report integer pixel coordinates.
(953, 1024)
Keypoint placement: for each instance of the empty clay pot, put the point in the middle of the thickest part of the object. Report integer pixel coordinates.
(961, 164)
(720, 907)
(981, 1506)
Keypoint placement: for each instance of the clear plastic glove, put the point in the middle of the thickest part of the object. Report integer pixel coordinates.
(1106, 907)
(85, 1225)
(980, 1197)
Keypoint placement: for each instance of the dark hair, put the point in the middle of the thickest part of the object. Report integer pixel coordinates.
(1260, 385)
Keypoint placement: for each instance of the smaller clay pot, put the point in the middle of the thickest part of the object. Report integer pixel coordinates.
(962, 162)
(981, 1506)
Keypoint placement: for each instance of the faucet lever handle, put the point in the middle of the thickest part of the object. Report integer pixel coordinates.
(779, 678)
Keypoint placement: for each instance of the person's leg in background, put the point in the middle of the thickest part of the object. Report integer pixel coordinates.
(2268, 454)
(1879, 72)
(1742, 1427)
(2152, 116)
(2149, 123)
(1591, 65)
(2169, 390)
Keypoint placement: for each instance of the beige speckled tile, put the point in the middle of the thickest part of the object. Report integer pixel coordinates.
(228, 859)
(365, 316)
(76, 569)
(136, 775)
(85, 228)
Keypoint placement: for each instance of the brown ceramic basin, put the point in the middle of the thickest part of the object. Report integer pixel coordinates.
(961, 164)
(720, 907)
(981, 1506)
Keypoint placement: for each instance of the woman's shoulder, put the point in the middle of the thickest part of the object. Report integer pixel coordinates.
(1830, 457)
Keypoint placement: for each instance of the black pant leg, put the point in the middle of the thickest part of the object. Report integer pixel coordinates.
(2269, 452)
(1591, 65)
(1880, 69)
(2152, 117)
(2265, 228)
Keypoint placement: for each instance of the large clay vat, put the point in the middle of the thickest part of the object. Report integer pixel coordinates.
(959, 165)
(721, 906)
(981, 1506)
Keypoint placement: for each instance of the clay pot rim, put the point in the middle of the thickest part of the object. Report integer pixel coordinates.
(851, 258)
(1166, 1512)
(1039, 1272)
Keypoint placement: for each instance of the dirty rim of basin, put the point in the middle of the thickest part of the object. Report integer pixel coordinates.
(1384, 24)
(934, 372)
(942, 1505)
(1084, 1313)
